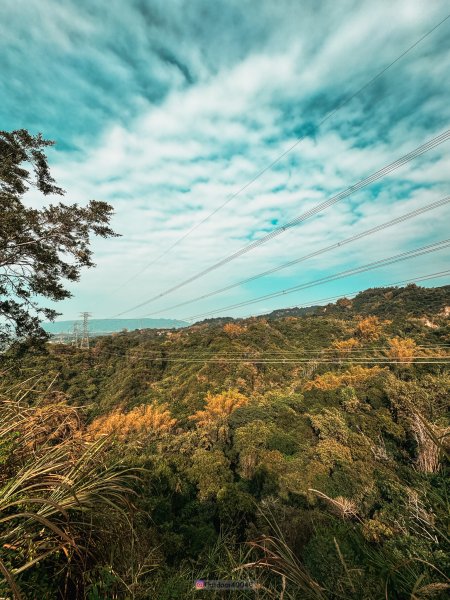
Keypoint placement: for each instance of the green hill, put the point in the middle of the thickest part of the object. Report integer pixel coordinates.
(319, 439)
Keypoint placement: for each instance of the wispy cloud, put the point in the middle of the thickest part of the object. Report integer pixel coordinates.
(166, 109)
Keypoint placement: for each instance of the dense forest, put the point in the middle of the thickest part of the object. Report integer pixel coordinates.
(158, 159)
(304, 451)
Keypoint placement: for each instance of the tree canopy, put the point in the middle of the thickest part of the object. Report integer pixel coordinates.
(40, 248)
(158, 458)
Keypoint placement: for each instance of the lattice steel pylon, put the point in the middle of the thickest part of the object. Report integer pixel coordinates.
(84, 342)
(75, 335)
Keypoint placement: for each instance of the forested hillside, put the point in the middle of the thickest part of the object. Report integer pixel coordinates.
(304, 452)
(409, 301)
(173, 175)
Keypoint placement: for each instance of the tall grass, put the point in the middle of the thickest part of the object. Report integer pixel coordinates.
(52, 483)
(274, 555)
(381, 572)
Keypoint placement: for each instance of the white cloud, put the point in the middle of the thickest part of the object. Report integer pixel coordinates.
(168, 167)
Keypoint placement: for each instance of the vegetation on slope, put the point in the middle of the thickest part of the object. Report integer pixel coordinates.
(307, 453)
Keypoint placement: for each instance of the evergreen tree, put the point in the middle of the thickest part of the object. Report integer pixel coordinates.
(39, 248)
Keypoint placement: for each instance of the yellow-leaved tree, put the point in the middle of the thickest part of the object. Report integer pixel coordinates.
(144, 420)
(213, 420)
(233, 329)
(403, 350)
(344, 347)
(369, 329)
(354, 376)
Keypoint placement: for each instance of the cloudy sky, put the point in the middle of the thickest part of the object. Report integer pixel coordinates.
(167, 108)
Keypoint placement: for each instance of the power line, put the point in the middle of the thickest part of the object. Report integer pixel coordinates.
(376, 264)
(374, 360)
(430, 144)
(369, 360)
(286, 152)
(373, 265)
(278, 354)
(353, 238)
(152, 353)
(299, 357)
(361, 348)
(353, 294)
(425, 359)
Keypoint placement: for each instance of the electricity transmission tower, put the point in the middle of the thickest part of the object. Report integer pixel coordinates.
(84, 342)
(75, 335)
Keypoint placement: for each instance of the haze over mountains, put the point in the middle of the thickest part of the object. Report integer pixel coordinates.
(104, 326)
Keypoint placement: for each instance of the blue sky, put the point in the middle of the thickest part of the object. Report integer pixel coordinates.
(165, 108)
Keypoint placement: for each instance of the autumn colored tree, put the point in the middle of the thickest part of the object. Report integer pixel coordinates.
(233, 329)
(142, 421)
(344, 347)
(369, 329)
(402, 350)
(213, 419)
(354, 376)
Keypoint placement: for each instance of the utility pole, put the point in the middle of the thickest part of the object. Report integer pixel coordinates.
(75, 335)
(84, 342)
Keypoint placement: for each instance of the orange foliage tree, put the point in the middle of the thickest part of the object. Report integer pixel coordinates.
(345, 346)
(213, 419)
(146, 419)
(402, 349)
(353, 376)
(233, 329)
(369, 329)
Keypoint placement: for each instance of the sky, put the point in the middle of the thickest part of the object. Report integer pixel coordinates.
(167, 108)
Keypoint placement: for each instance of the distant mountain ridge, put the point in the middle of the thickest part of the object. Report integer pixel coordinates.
(105, 326)
(411, 300)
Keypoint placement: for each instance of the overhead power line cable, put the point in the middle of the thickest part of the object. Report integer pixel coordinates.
(284, 357)
(425, 359)
(326, 353)
(429, 248)
(287, 151)
(318, 303)
(353, 294)
(366, 360)
(183, 351)
(430, 144)
(334, 246)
